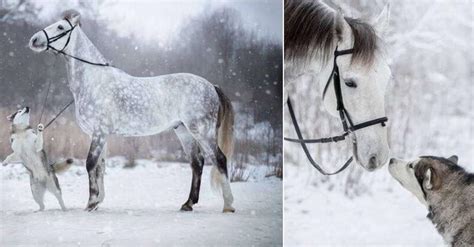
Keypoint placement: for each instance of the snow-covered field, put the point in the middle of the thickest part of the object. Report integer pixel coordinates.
(387, 216)
(141, 208)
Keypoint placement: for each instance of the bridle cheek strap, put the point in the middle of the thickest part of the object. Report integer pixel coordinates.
(346, 121)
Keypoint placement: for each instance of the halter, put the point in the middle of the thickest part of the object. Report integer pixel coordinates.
(59, 36)
(347, 123)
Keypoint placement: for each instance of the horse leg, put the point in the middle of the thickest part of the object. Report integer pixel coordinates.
(100, 173)
(219, 175)
(95, 151)
(223, 177)
(193, 152)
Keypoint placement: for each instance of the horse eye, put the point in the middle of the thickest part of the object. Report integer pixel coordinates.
(60, 27)
(350, 83)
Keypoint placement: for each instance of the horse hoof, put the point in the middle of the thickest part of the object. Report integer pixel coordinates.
(186, 207)
(228, 210)
(91, 207)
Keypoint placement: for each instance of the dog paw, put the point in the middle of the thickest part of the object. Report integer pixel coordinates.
(40, 127)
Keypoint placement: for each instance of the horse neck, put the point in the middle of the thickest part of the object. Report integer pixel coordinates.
(80, 46)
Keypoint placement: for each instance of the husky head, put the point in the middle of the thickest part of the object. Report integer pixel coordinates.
(425, 175)
(20, 118)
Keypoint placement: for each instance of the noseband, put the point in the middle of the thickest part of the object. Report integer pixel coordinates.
(53, 39)
(347, 123)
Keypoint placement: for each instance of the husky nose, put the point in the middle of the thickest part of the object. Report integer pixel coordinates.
(392, 160)
(27, 109)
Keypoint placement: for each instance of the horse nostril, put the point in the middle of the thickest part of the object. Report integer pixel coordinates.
(373, 162)
(34, 40)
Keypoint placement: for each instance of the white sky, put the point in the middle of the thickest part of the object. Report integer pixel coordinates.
(160, 19)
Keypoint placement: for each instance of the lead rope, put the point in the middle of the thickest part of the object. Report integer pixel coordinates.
(44, 102)
(57, 115)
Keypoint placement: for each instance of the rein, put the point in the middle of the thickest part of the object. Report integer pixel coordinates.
(347, 123)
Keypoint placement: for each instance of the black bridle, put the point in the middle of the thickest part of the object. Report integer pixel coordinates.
(53, 39)
(347, 123)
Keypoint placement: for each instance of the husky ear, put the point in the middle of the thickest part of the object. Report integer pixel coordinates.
(453, 159)
(380, 23)
(431, 180)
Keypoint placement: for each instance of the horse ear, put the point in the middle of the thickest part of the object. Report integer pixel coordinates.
(73, 16)
(380, 23)
(76, 19)
(453, 159)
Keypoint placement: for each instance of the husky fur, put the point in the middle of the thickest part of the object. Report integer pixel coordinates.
(446, 189)
(27, 146)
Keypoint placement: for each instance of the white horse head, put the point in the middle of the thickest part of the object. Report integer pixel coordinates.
(313, 31)
(56, 35)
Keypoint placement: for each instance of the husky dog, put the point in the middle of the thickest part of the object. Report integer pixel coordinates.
(446, 189)
(27, 145)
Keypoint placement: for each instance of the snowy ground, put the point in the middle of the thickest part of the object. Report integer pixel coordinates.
(388, 216)
(140, 209)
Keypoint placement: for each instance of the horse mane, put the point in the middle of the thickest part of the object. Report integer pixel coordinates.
(69, 14)
(312, 29)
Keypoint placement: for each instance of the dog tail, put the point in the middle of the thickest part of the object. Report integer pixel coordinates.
(225, 135)
(61, 167)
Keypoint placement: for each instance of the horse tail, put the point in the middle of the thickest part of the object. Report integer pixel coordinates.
(225, 125)
(225, 134)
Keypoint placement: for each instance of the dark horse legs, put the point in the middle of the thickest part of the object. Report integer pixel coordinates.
(95, 169)
(197, 163)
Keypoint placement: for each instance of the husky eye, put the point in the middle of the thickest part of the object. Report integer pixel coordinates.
(60, 27)
(350, 83)
(410, 165)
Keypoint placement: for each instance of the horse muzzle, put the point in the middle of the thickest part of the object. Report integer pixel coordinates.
(38, 42)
